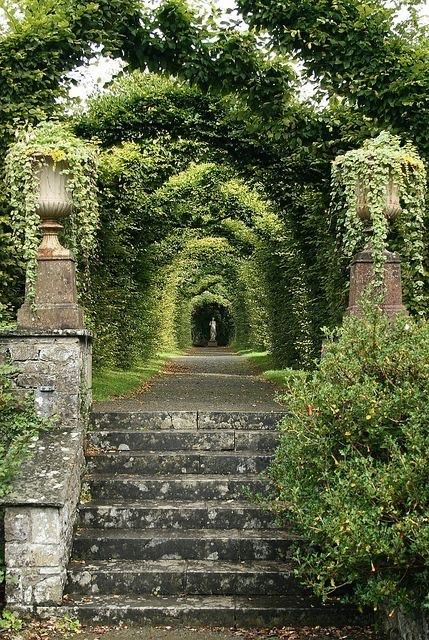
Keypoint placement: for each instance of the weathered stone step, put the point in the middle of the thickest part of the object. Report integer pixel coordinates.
(201, 487)
(176, 462)
(186, 420)
(194, 544)
(175, 440)
(155, 514)
(179, 577)
(217, 611)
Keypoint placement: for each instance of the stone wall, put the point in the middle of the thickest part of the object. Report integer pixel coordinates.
(55, 366)
(40, 510)
(40, 513)
(403, 626)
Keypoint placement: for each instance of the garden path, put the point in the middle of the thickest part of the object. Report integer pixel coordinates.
(204, 379)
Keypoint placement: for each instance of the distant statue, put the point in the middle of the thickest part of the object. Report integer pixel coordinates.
(213, 330)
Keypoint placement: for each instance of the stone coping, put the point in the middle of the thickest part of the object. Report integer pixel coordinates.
(46, 333)
(43, 478)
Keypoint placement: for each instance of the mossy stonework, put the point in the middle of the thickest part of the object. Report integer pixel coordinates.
(53, 367)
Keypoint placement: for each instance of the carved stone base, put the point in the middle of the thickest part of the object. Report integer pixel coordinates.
(362, 275)
(212, 343)
(55, 298)
(50, 316)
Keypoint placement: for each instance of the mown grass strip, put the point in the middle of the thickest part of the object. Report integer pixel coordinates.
(263, 361)
(115, 383)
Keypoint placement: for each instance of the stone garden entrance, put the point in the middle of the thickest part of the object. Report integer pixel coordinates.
(169, 527)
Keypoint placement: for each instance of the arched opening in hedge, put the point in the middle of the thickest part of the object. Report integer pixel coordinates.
(202, 313)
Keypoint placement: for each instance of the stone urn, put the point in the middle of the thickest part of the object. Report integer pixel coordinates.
(54, 199)
(392, 205)
(54, 203)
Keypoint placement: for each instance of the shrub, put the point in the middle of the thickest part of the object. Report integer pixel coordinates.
(351, 469)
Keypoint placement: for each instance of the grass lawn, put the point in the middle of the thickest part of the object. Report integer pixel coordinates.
(114, 383)
(263, 360)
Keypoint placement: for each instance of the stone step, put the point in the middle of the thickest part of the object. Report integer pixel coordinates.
(186, 420)
(214, 611)
(156, 514)
(175, 440)
(176, 462)
(194, 544)
(201, 487)
(180, 577)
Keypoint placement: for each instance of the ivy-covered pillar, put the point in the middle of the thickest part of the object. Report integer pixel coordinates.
(50, 176)
(51, 299)
(379, 198)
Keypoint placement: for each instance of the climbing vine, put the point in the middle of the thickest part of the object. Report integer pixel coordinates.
(383, 178)
(72, 157)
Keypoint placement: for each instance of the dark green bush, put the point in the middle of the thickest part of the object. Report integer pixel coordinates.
(352, 467)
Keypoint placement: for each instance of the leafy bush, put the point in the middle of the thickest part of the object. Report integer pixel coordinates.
(351, 469)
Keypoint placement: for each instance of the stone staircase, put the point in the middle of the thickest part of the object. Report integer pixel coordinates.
(169, 532)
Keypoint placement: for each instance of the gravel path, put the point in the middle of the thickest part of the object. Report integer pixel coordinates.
(205, 379)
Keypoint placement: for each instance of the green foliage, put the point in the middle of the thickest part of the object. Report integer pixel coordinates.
(69, 625)
(46, 40)
(178, 39)
(10, 622)
(362, 178)
(73, 158)
(293, 174)
(351, 469)
(153, 267)
(359, 50)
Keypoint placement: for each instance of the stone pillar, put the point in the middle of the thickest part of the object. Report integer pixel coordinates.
(362, 275)
(50, 354)
(40, 512)
(55, 366)
(55, 297)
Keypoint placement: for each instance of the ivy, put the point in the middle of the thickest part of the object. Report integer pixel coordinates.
(363, 179)
(74, 158)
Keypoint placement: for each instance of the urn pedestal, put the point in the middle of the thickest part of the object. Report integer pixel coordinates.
(53, 303)
(362, 276)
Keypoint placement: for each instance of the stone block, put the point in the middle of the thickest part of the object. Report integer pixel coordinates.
(4, 354)
(65, 405)
(49, 589)
(24, 351)
(33, 555)
(61, 353)
(31, 586)
(46, 526)
(17, 525)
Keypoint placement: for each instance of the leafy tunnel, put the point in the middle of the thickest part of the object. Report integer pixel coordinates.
(185, 236)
